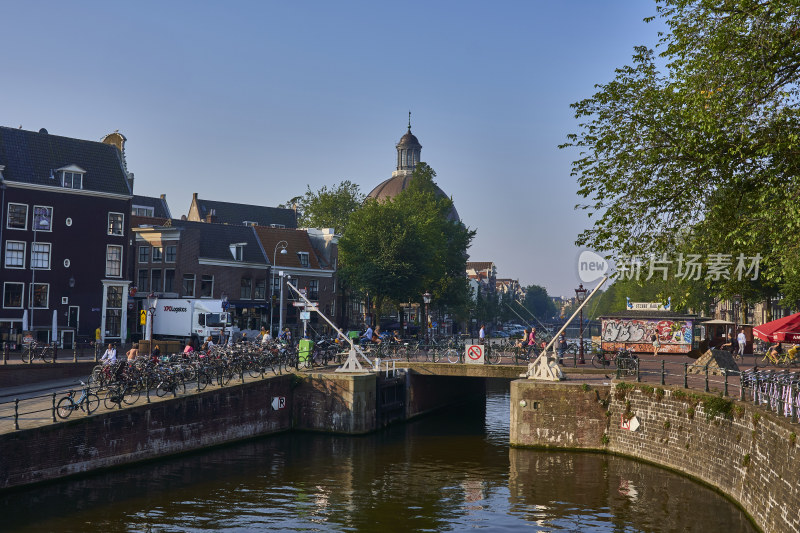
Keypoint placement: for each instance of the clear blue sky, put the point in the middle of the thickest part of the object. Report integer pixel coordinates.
(252, 101)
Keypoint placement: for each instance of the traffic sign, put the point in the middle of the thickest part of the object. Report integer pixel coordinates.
(305, 315)
(142, 317)
(631, 424)
(303, 304)
(278, 402)
(474, 354)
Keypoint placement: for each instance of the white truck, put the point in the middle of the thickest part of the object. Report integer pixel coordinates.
(183, 317)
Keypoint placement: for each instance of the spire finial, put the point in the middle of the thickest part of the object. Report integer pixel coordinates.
(409, 120)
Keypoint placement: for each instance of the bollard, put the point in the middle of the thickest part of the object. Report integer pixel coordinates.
(96, 355)
(755, 391)
(5, 353)
(706, 370)
(147, 389)
(663, 373)
(685, 375)
(55, 352)
(637, 362)
(741, 388)
(16, 413)
(725, 372)
(74, 352)
(54, 407)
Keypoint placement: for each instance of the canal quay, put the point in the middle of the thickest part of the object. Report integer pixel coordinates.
(462, 445)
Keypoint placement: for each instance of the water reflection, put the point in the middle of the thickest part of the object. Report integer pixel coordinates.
(453, 470)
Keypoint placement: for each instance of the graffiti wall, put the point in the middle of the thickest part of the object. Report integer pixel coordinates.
(675, 336)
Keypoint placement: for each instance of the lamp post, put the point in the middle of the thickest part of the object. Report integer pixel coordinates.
(280, 314)
(152, 304)
(736, 306)
(282, 245)
(427, 299)
(580, 294)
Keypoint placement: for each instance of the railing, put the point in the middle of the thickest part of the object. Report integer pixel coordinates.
(78, 351)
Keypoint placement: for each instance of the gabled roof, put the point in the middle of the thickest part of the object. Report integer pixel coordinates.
(159, 205)
(238, 214)
(297, 241)
(32, 157)
(478, 266)
(214, 240)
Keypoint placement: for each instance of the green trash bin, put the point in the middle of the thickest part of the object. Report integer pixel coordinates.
(304, 348)
(353, 335)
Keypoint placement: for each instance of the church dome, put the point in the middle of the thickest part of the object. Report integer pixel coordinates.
(408, 155)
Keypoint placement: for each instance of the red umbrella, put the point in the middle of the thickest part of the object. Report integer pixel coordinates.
(786, 329)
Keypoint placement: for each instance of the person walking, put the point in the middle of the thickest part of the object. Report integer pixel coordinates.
(656, 344)
(562, 347)
(482, 334)
(741, 339)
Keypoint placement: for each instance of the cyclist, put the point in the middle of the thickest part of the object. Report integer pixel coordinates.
(562, 347)
(110, 355)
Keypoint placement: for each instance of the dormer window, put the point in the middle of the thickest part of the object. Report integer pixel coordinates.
(237, 251)
(303, 256)
(72, 177)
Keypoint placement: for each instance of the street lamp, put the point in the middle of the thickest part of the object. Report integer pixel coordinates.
(224, 319)
(282, 245)
(580, 294)
(152, 303)
(427, 299)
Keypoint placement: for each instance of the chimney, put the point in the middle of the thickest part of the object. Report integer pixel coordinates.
(211, 217)
(130, 180)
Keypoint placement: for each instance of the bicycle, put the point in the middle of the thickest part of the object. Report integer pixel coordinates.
(119, 393)
(605, 359)
(35, 350)
(88, 402)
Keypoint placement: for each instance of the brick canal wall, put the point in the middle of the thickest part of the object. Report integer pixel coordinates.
(144, 431)
(744, 451)
(338, 403)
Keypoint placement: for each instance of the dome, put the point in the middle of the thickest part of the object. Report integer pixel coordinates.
(392, 187)
(409, 140)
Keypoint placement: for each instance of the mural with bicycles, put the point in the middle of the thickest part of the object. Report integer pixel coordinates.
(636, 334)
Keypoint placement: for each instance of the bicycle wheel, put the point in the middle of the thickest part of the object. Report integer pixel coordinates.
(113, 398)
(203, 380)
(26, 355)
(92, 402)
(65, 407)
(493, 357)
(599, 361)
(132, 394)
(47, 355)
(452, 355)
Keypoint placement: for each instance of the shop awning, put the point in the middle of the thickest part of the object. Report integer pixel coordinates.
(786, 329)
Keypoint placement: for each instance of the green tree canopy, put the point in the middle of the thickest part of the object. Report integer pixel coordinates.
(327, 208)
(702, 155)
(539, 303)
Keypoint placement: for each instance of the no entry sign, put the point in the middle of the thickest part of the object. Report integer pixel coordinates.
(474, 354)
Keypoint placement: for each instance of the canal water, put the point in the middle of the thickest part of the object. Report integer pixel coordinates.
(452, 470)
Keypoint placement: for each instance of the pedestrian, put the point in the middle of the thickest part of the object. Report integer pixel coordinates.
(531, 342)
(133, 353)
(742, 340)
(262, 334)
(656, 344)
(562, 347)
(266, 338)
(155, 354)
(482, 334)
(110, 355)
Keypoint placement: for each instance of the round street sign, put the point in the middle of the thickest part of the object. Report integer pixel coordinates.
(474, 353)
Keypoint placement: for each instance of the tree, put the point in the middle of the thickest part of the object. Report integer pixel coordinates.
(701, 157)
(327, 208)
(539, 303)
(398, 248)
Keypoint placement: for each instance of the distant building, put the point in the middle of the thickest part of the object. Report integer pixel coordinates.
(65, 208)
(482, 276)
(240, 214)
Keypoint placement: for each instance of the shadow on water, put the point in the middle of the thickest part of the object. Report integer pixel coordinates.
(449, 471)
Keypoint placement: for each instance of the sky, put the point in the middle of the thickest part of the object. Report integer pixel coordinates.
(252, 102)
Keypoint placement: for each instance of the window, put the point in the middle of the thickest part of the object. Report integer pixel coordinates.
(188, 285)
(142, 211)
(206, 286)
(313, 289)
(113, 310)
(39, 295)
(17, 216)
(158, 253)
(73, 180)
(12, 295)
(115, 224)
(144, 254)
(237, 251)
(156, 283)
(277, 225)
(171, 253)
(169, 280)
(40, 255)
(303, 258)
(261, 289)
(15, 254)
(142, 283)
(42, 218)
(276, 284)
(247, 288)
(114, 261)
